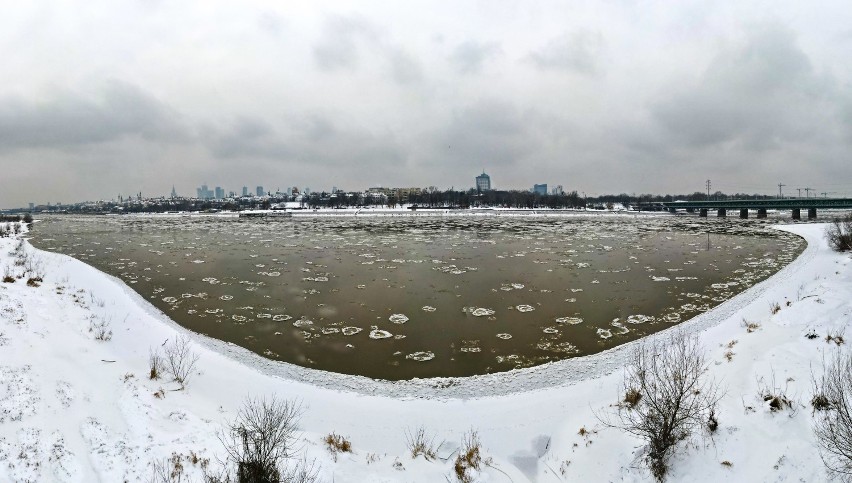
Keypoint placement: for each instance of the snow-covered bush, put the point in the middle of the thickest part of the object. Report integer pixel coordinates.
(833, 414)
(674, 398)
(180, 359)
(336, 443)
(260, 444)
(839, 234)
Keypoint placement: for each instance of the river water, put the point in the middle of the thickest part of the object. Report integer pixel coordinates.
(404, 297)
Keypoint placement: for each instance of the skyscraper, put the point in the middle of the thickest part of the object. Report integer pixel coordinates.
(220, 193)
(540, 189)
(259, 191)
(483, 182)
(245, 190)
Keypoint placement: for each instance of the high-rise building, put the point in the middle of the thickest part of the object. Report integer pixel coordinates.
(220, 193)
(540, 189)
(204, 193)
(259, 191)
(483, 182)
(558, 191)
(245, 190)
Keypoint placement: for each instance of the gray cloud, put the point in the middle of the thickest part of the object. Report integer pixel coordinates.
(70, 119)
(405, 68)
(469, 57)
(338, 48)
(487, 133)
(312, 140)
(578, 51)
(758, 95)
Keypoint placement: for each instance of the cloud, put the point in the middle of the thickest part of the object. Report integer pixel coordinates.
(577, 52)
(338, 47)
(68, 119)
(487, 132)
(757, 95)
(405, 68)
(304, 140)
(469, 57)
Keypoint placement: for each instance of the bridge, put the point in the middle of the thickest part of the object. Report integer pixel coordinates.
(796, 205)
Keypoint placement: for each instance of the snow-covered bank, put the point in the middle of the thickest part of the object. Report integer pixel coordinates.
(73, 408)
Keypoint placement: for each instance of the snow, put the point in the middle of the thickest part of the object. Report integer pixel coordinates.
(77, 409)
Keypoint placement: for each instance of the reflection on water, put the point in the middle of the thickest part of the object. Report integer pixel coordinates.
(413, 297)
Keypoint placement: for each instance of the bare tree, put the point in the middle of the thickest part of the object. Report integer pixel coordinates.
(180, 360)
(839, 234)
(668, 396)
(833, 415)
(261, 443)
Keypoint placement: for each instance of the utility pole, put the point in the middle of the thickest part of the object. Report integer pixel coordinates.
(800, 192)
(780, 194)
(807, 192)
(708, 189)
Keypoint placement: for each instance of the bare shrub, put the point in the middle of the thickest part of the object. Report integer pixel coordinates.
(169, 470)
(180, 360)
(336, 444)
(632, 397)
(261, 442)
(34, 281)
(419, 443)
(839, 234)
(677, 396)
(833, 424)
(469, 457)
(772, 393)
(774, 308)
(7, 275)
(155, 364)
(100, 329)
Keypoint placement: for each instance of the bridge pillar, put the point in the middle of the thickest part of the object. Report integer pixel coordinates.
(690, 210)
(702, 212)
(722, 213)
(761, 212)
(797, 214)
(743, 212)
(812, 213)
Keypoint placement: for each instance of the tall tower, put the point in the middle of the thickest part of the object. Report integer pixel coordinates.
(174, 193)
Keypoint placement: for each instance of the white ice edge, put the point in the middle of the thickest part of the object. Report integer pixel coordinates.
(550, 375)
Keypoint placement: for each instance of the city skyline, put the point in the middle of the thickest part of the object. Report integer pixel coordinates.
(620, 97)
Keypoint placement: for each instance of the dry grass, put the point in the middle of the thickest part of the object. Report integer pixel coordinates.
(469, 457)
(420, 443)
(836, 336)
(751, 326)
(337, 444)
(774, 308)
(632, 397)
(34, 281)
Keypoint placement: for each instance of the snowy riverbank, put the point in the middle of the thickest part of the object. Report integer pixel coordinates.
(73, 408)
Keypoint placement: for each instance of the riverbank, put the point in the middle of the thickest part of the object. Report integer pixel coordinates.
(75, 408)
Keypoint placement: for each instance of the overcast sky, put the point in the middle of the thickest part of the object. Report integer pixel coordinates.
(101, 98)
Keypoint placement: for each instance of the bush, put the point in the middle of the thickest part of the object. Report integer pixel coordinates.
(261, 441)
(469, 457)
(676, 399)
(839, 234)
(833, 422)
(155, 364)
(180, 360)
(336, 443)
(419, 443)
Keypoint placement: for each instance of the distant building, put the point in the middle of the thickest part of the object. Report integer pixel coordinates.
(204, 193)
(540, 189)
(259, 191)
(557, 191)
(220, 193)
(245, 190)
(32, 206)
(174, 193)
(483, 182)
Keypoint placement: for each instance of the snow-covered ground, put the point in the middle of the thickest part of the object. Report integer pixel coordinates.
(74, 408)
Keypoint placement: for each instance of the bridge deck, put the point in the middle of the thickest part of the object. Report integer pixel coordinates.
(773, 204)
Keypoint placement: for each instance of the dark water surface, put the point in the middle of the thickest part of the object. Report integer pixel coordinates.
(405, 297)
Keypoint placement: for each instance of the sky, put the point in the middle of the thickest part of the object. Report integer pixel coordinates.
(107, 98)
